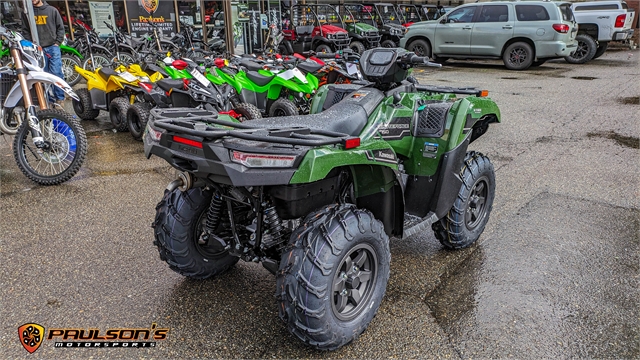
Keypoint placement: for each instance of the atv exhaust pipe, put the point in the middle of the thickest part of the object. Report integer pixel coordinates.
(184, 182)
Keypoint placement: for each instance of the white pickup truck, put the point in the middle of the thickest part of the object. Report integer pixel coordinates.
(599, 22)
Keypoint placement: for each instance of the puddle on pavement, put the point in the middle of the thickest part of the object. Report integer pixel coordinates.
(630, 100)
(584, 77)
(625, 141)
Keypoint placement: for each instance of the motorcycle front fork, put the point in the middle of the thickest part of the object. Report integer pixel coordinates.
(31, 115)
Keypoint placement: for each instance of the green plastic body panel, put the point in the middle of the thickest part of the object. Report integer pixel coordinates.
(177, 74)
(372, 175)
(69, 50)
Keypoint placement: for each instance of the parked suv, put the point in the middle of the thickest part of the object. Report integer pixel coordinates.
(522, 34)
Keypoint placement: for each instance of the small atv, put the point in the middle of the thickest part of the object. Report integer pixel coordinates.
(316, 198)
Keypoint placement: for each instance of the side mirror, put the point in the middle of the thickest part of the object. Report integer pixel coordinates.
(443, 20)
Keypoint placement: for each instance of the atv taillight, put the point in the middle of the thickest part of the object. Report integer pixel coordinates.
(620, 20)
(263, 160)
(153, 133)
(181, 140)
(351, 143)
(185, 84)
(561, 28)
(146, 86)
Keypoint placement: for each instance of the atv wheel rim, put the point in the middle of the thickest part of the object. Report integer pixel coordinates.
(354, 282)
(476, 204)
(68, 70)
(209, 249)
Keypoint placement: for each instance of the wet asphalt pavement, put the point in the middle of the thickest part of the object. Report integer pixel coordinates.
(555, 274)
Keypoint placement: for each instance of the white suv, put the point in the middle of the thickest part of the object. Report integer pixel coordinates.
(522, 34)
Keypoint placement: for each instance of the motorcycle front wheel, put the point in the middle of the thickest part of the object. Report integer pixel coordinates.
(63, 153)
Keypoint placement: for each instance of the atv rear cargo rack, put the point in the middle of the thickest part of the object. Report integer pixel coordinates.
(197, 123)
(451, 90)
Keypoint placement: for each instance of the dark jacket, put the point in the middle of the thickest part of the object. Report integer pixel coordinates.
(48, 23)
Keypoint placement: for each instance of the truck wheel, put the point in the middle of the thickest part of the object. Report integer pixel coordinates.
(469, 214)
(323, 48)
(332, 280)
(388, 44)
(586, 50)
(602, 47)
(137, 117)
(84, 107)
(420, 47)
(118, 113)
(357, 47)
(178, 225)
(518, 56)
(248, 111)
(283, 107)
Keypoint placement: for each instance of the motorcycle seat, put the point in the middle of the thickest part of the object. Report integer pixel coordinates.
(309, 66)
(106, 72)
(258, 79)
(347, 118)
(168, 84)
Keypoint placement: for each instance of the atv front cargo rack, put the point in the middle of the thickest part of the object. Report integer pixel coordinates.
(198, 123)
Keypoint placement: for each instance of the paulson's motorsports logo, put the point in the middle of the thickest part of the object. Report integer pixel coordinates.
(31, 336)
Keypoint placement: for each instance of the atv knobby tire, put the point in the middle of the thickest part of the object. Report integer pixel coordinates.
(118, 113)
(333, 277)
(84, 107)
(470, 212)
(137, 118)
(248, 111)
(283, 107)
(177, 229)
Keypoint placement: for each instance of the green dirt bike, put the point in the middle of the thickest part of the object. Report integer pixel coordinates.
(70, 59)
(316, 198)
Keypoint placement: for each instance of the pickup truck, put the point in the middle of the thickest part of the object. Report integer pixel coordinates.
(600, 22)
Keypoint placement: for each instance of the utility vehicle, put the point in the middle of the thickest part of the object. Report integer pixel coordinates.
(313, 27)
(316, 198)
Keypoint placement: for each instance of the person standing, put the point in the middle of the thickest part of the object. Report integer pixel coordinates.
(51, 34)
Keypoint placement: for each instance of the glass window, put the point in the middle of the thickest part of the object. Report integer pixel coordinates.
(494, 13)
(462, 15)
(565, 10)
(531, 13)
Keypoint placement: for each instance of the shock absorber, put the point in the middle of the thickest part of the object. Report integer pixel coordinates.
(274, 224)
(213, 219)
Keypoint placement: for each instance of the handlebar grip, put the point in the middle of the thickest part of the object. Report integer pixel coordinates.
(325, 55)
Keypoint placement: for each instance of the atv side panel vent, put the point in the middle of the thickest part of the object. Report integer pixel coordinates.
(335, 94)
(432, 119)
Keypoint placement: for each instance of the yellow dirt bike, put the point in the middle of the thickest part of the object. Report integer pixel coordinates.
(112, 90)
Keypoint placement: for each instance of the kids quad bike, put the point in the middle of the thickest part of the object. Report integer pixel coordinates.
(316, 198)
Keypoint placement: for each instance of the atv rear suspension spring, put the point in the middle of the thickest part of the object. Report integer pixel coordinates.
(213, 215)
(274, 224)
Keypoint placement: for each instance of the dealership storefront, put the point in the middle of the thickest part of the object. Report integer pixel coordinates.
(247, 21)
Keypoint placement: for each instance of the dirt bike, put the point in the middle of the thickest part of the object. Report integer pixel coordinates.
(316, 198)
(49, 145)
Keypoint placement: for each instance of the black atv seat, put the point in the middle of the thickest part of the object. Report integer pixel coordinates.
(105, 72)
(309, 66)
(250, 65)
(346, 118)
(168, 84)
(349, 116)
(258, 79)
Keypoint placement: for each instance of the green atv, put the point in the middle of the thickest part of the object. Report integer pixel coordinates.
(316, 198)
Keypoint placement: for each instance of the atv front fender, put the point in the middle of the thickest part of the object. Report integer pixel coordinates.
(470, 114)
